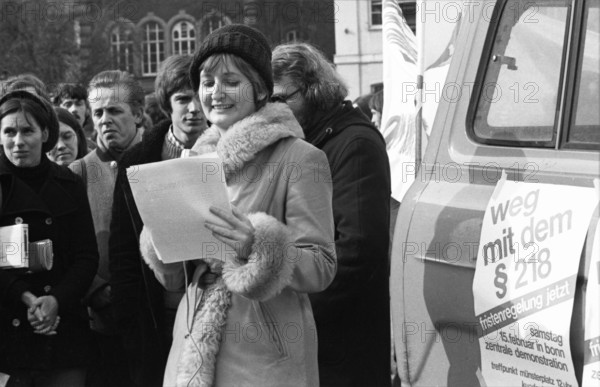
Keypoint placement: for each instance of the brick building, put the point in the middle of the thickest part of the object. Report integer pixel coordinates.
(137, 35)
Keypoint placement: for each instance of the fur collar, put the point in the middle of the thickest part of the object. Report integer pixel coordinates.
(247, 137)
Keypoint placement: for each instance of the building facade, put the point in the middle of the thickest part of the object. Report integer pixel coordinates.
(137, 36)
(359, 41)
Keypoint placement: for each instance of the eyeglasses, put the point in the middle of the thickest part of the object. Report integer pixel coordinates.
(283, 98)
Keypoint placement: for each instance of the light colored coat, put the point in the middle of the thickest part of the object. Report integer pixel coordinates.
(268, 337)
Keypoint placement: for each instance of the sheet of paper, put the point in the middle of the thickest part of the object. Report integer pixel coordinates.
(173, 198)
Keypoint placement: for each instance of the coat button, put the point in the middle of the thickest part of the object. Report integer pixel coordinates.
(113, 164)
(16, 322)
(18, 220)
(47, 288)
(328, 130)
(48, 221)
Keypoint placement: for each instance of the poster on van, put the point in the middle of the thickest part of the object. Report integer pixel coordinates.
(591, 347)
(524, 286)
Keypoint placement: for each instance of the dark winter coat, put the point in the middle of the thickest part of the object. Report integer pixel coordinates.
(137, 296)
(352, 315)
(61, 213)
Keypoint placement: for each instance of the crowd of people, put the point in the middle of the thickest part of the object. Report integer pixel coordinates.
(304, 299)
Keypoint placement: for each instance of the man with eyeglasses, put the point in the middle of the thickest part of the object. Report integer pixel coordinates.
(353, 314)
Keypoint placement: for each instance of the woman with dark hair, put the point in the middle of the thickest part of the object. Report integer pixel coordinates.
(71, 144)
(43, 330)
(248, 320)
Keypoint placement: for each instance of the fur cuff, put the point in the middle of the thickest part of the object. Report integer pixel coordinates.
(268, 270)
(151, 258)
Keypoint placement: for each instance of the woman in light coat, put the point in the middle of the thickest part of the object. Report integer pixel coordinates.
(248, 321)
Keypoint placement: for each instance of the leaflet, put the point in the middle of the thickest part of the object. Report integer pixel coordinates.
(173, 198)
(524, 286)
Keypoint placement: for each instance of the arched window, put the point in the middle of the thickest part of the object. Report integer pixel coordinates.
(121, 48)
(184, 38)
(211, 22)
(153, 48)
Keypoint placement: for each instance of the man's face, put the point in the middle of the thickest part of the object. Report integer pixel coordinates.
(113, 118)
(76, 107)
(187, 116)
(284, 88)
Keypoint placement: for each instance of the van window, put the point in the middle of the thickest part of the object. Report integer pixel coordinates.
(586, 128)
(518, 100)
(518, 95)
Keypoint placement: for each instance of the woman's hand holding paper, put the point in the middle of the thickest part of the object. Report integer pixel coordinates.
(237, 234)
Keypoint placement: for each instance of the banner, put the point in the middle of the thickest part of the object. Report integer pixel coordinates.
(399, 90)
(524, 286)
(437, 21)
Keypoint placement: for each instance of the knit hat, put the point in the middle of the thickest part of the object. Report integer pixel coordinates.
(46, 107)
(246, 42)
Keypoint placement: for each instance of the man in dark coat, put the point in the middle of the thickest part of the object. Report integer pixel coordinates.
(352, 315)
(116, 100)
(134, 284)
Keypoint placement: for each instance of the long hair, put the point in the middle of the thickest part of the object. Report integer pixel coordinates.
(173, 75)
(68, 119)
(259, 87)
(308, 68)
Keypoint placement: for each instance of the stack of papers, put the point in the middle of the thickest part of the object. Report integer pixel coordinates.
(173, 198)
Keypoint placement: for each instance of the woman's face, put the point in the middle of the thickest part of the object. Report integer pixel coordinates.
(65, 151)
(22, 139)
(226, 95)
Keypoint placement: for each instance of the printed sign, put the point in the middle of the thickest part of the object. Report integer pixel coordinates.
(524, 286)
(591, 347)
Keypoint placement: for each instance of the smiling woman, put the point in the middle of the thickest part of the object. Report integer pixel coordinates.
(278, 234)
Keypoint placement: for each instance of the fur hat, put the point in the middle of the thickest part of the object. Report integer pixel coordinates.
(46, 107)
(246, 42)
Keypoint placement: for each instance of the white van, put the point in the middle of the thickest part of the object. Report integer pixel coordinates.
(521, 96)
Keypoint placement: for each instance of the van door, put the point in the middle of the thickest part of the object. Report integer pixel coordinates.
(521, 96)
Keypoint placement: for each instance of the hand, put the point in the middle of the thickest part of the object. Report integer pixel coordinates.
(239, 234)
(28, 299)
(47, 308)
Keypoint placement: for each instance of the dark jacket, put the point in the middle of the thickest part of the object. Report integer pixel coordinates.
(61, 213)
(137, 296)
(353, 315)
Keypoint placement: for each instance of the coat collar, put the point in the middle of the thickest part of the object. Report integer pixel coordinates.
(57, 200)
(153, 140)
(247, 137)
(333, 123)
